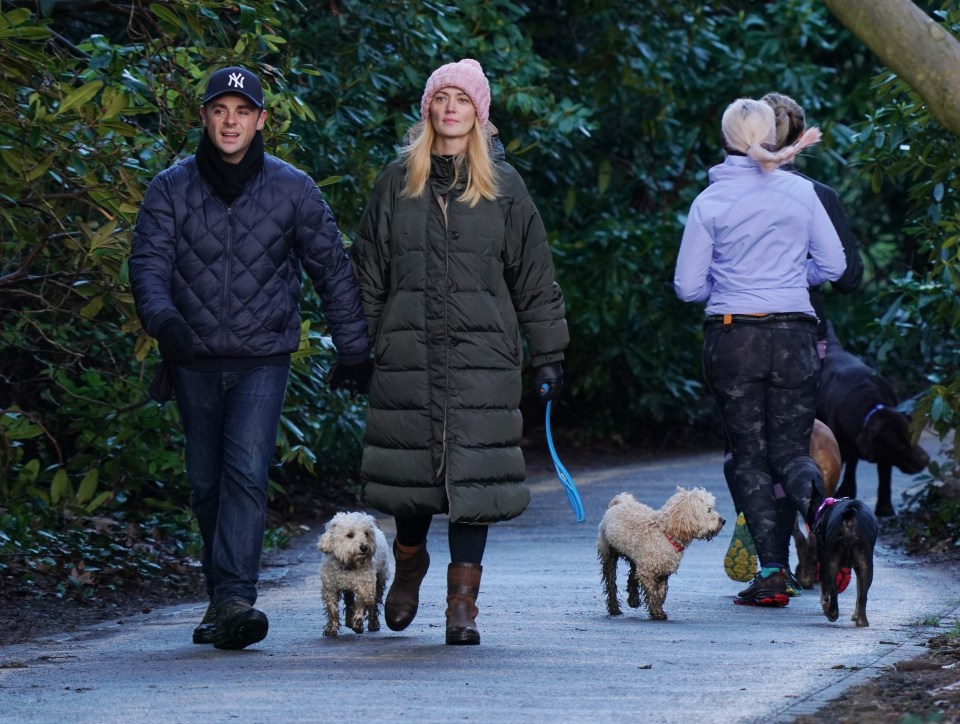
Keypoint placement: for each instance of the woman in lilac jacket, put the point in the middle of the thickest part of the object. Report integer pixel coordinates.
(755, 240)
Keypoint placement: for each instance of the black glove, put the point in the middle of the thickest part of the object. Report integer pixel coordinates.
(161, 388)
(176, 342)
(355, 378)
(547, 382)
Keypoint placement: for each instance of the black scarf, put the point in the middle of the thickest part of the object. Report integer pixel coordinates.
(228, 179)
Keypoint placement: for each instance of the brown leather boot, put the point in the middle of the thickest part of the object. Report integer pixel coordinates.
(463, 586)
(403, 598)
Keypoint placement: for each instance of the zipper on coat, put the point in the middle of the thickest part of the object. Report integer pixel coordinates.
(446, 351)
(224, 290)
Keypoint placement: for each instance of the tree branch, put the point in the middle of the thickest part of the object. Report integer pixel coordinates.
(914, 46)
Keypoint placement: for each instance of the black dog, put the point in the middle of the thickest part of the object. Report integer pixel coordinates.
(859, 406)
(845, 533)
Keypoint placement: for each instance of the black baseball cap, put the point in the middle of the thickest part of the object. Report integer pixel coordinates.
(234, 80)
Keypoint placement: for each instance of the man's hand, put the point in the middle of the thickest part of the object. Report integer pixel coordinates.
(354, 378)
(176, 342)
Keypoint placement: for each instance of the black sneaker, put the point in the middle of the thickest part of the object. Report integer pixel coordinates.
(794, 588)
(203, 634)
(239, 624)
(768, 588)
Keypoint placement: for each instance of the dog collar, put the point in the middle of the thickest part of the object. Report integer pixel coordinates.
(866, 418)
(673, 542)
(827, 502)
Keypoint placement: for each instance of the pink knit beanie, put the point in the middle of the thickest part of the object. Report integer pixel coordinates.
(467, 75)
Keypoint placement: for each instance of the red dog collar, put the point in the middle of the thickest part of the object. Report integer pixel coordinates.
(673, 542)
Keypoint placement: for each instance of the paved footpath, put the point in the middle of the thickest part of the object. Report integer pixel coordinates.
(549, 653)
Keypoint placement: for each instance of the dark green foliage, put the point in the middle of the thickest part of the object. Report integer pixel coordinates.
(609, 109)
(932, 519)
(87, 120)
(611, 112)
(907, 154)
(657, 78)
(81, 555)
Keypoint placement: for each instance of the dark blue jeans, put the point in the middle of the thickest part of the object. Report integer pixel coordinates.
(765, 377)
(230, 423)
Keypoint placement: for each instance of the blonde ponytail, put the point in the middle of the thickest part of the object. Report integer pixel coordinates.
(769, 160)
(749, 127)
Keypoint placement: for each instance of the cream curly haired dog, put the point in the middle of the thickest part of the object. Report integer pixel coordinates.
(355, 567)
(652, 542)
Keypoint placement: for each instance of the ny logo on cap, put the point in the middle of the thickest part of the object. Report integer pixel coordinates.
(236, 80)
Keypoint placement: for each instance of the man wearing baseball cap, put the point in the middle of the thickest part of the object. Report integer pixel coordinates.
(220, 244)
(236, 80)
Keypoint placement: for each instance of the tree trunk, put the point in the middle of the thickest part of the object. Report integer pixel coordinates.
(909, 42)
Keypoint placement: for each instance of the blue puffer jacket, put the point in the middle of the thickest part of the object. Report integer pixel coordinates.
(233, 273)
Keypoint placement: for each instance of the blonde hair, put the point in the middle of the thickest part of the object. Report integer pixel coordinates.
(482, 180)
(749, 127)
(788, 116)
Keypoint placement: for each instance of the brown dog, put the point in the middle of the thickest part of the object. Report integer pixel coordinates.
(826, 454)
(859, 406)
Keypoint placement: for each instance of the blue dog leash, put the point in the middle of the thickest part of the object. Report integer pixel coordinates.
(573, 495)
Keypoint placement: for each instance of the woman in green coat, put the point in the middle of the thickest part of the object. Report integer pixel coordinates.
(453, 263)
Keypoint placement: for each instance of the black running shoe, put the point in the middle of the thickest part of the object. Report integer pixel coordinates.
(203, 634)
(239, 624)
(768, 588)
(794, 588)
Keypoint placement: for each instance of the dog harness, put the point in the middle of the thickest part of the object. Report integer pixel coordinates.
(827, 502)
(843, 575)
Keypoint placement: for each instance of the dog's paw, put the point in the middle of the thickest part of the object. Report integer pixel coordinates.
(373, 625)
(658, 616)
(330, 631)
(357, 625)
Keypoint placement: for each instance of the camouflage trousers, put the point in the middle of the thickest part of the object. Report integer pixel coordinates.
(764, 374)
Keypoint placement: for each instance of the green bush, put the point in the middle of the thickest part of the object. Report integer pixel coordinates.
(88, 121)
(657, 78)
(609, 109)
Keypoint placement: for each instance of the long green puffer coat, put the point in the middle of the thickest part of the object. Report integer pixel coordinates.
(447, 290)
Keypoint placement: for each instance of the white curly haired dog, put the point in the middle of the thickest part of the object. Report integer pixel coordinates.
(652, 542)
(355, 567)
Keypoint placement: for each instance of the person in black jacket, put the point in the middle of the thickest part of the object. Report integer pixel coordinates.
(217, 256)
(790, 124)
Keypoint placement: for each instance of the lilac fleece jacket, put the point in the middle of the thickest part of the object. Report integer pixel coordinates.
(747, 240)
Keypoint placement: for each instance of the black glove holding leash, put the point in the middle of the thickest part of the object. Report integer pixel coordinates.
(176, 342)
(354, 378)
(548, 382)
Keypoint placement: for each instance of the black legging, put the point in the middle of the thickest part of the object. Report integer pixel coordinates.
(467, 542)
(764, 377)
(786, 513)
